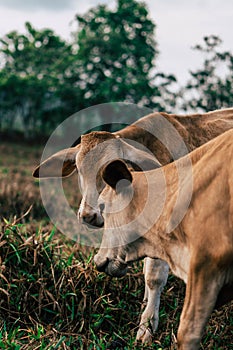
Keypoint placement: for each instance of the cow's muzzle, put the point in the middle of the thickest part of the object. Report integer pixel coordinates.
(115, 267)
(94, 220)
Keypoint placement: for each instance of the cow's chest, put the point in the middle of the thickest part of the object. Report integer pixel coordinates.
(179, 257)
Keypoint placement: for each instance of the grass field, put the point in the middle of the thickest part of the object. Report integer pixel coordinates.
(52, 297)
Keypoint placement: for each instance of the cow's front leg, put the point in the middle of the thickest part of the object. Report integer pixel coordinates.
(156, 273)
(202, 290)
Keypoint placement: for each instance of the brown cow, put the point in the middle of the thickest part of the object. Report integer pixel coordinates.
(195, 237)
(157, 133)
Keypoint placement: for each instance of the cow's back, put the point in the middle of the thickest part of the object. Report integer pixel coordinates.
(156, 130)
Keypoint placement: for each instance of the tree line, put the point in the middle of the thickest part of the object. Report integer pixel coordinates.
(110, 58)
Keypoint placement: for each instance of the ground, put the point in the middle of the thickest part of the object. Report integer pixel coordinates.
(52, 297)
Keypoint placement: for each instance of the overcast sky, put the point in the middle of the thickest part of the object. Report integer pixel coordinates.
(180, 24)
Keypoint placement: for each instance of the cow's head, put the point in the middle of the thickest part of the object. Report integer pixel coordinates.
(121, 241)
(89, 159)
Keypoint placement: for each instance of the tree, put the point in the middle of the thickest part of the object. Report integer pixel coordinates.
(116, 55)
(211, 86)
(44, 79)
(34, 79)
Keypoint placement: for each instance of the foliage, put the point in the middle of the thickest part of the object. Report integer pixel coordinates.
(44, 79)
(117, 52)
(111, 58)
(34, 79)
(116, 49)
(211, 86)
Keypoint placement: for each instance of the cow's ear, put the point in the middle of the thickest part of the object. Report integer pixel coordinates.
(60, 164)
(139, 159)
(116, 171)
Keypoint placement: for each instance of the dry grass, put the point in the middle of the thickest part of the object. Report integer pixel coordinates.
(52, 297)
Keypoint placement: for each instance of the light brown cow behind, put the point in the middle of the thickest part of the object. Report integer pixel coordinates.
(156, 133)
(199, 249)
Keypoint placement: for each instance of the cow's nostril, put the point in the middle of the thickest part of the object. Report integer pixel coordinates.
(90, 219)
(94, 217)
(87, 218)
(101, 206)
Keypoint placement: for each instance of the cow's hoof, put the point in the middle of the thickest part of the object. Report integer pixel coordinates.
(144, 335)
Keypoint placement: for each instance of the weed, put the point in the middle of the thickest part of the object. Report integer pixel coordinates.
(52, 297)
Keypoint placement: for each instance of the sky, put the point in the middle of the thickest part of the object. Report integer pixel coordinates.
(180, 25)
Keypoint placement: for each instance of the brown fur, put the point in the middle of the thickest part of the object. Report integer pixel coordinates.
(199, 249)
(195, 130)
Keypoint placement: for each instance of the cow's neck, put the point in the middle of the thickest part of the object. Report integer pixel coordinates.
(162, 234)
(154, 133)
(162, 134)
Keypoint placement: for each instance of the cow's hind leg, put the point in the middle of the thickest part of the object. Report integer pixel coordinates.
(202, 291)
(156, 273)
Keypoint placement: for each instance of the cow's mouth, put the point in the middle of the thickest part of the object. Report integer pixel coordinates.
(114, 267)
(94, 225)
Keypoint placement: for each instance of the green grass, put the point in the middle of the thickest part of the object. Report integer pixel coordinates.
(52, 297)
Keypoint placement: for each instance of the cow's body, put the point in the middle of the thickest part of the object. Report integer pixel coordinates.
(154, 133)
(199, 249)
